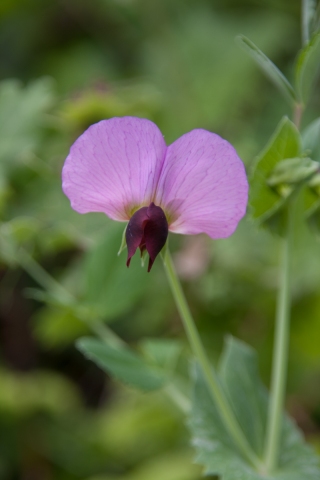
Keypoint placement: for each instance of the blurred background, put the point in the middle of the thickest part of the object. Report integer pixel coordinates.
(65, 64)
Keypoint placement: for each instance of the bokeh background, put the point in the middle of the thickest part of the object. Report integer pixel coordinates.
(65, 64)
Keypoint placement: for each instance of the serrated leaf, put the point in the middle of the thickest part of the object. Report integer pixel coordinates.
(268, 68)
(311, 139)
(112, 288)
(307, 67)
(284, 144)
(238, 373)
(123, 364)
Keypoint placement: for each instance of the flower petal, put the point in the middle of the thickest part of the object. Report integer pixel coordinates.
(203, 185)
(114, 167)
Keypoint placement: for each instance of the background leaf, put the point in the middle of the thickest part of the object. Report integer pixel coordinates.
(22, 117)
(284, 144)
(268, 67)
(308, 14)
(163, 352)
(311, 139)
(238, 372)
(307, 67)
(112, 288)
(123, 364)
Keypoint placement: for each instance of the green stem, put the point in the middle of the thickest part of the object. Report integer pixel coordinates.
(178, 398)
(41, 276)
(47, 282)
(280, 353)
(209, 373)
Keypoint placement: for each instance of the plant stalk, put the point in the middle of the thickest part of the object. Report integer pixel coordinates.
(280, 353)
(209, 373)
(47, 282)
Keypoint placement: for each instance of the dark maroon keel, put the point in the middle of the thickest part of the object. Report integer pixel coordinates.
(148, 230)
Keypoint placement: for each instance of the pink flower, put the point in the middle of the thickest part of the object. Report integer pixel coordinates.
(123, 167)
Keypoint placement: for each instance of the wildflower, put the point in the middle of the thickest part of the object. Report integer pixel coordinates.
(123, 167)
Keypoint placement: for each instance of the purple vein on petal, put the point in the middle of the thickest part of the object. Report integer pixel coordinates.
(204, 173)
(114, 166)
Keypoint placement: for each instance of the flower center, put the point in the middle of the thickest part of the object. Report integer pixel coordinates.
(148, 230)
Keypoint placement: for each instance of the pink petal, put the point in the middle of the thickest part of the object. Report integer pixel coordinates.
(203, 185)
(114, 167)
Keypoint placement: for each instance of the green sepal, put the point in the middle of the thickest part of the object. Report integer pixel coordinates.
(143, 257)
(123, 244)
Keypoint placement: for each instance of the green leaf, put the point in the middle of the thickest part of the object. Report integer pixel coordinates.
(238, 373)
(307, 67)
(57, 327)
(311, 139)
(313, 217)
(123, 364)
(308, 14)
(284, 144)
(112, 288)
(268, 67)
(311, 142)
(22, 112)
(162, 352)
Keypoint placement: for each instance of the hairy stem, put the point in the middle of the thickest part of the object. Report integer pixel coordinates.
(209, 373)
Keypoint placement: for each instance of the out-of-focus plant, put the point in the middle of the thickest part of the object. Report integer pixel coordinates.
(190, 70)
(237, 431)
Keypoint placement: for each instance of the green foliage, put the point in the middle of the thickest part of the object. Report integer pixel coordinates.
(238, 373)
(307, 68)
(266, 202)
(112, 288)
(123, 363)
(176, 63)
(25, 394)
(57, 327)
(95, 104)
(168, 466)
(308, 13)
(311, 139)
(200, 90)
(268, 67)
(292, 171)
(22, 118)
(311, 143)
(162, 352)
